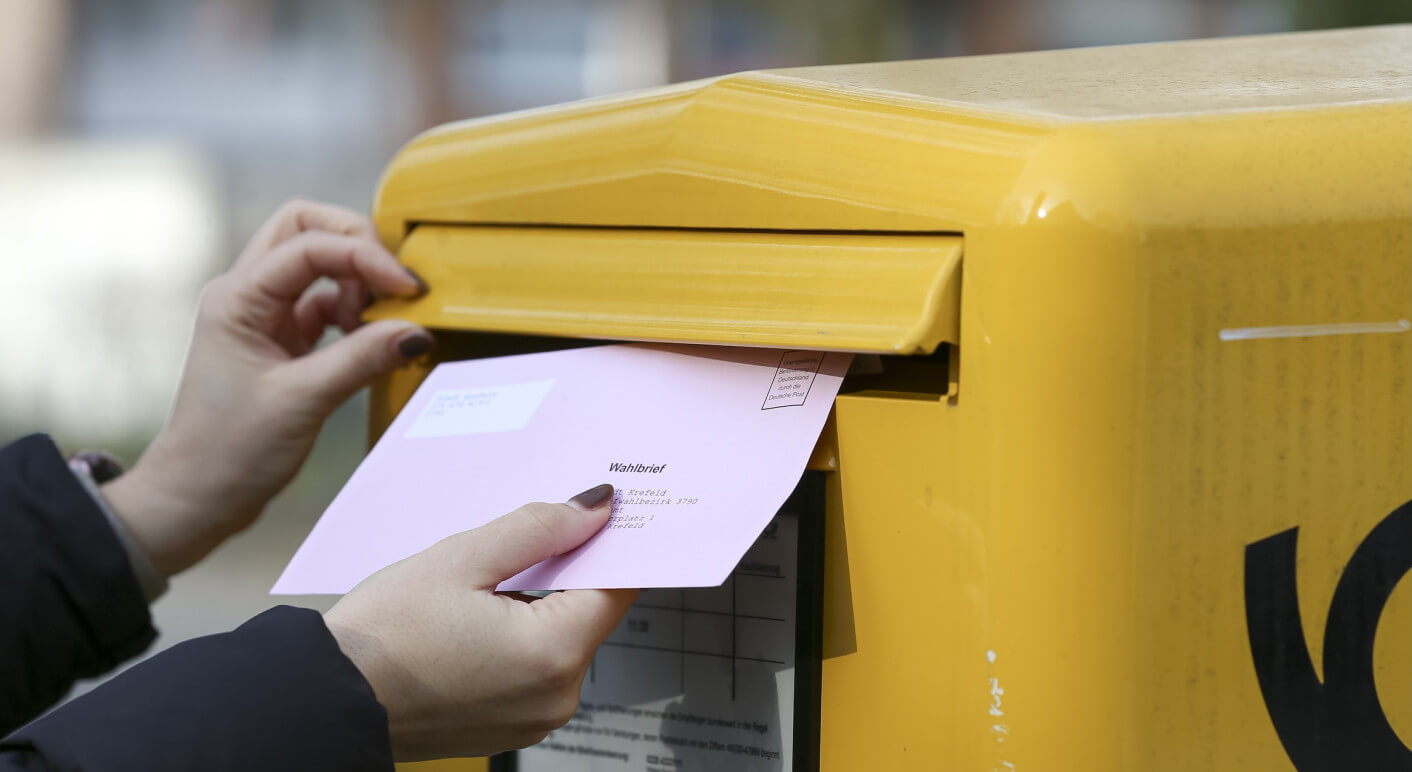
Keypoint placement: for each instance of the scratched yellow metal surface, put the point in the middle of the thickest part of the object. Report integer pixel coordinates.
(1046, 571)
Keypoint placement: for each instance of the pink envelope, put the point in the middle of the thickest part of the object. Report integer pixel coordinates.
(703, 444)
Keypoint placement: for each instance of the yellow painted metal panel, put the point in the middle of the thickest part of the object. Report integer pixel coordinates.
(886, 293)
(1184, 329)
(1048, 572)
(739, 152)
(924, 145)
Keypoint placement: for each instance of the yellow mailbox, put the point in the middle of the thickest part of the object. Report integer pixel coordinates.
(1120, 490)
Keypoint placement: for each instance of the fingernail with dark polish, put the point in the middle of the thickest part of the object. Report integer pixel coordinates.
(415, 345)
(421, 285)
(594, 497)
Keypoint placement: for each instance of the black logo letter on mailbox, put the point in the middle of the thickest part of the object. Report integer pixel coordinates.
(1337, 724)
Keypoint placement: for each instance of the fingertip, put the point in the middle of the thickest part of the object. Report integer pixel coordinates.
(414, 343)
(599, 496)
(577, 525)
(596, 612)
(594, 507)
(624, 598)
(590, 522)
(607, 598)
(419, 284)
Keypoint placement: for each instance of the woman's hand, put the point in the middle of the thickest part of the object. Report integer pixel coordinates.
(254, 394)
(461, 670)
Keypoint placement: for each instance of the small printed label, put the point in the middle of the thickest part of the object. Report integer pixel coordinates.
(453, 412)
(793, 379)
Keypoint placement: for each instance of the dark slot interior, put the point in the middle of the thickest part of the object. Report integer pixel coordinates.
(927, 377)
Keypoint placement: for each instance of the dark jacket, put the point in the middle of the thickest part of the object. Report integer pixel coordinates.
(275, 694)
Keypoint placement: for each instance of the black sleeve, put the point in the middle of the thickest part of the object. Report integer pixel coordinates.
(70, 606)
(275, 694)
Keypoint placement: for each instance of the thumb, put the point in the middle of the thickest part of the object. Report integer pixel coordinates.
(337, 370)
(587, 616)
(534, 533)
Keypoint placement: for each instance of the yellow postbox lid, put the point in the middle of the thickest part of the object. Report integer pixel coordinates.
(829, 207)
(932, 145)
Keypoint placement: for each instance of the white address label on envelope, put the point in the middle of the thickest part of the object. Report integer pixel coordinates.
(481, 410)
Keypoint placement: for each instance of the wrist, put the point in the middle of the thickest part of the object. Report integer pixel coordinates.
(153, 517)
(152, 581)
(367, 654)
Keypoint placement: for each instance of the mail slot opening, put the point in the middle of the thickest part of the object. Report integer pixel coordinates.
(455, 345)
(933, 376)
(929, 376)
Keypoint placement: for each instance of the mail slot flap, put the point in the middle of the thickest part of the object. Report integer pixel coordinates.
(892, 293)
